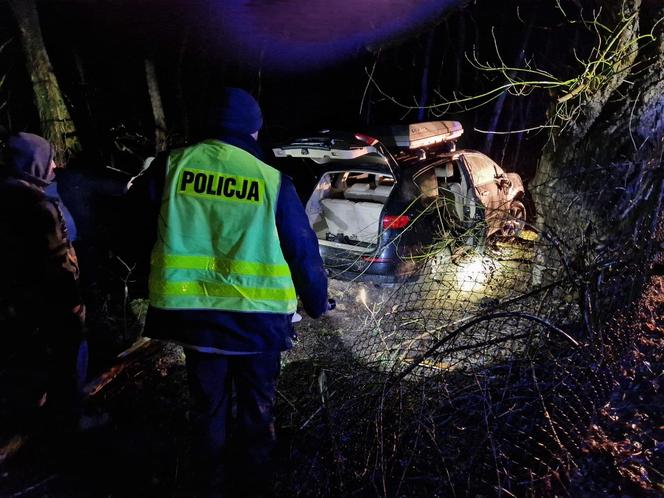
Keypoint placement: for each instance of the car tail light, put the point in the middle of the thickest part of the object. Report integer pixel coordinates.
(395, 222)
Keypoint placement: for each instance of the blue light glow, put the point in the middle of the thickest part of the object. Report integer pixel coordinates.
(294, 35)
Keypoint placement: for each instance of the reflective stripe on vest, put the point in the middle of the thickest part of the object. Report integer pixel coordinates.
(224, 265)
(218, 246)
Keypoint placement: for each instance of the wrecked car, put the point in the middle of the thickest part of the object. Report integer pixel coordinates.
(378, 203)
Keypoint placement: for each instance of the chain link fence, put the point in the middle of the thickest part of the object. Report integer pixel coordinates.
(482, 373)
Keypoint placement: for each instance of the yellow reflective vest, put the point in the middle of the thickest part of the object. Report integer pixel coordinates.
(217, 243)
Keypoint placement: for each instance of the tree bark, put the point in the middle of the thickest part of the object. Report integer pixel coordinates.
(56, 123)
(580, 137)
(620, 128)
(632, 128)
(157, 106)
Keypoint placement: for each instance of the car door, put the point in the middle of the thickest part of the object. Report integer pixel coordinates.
(456, 197)
(487, 178)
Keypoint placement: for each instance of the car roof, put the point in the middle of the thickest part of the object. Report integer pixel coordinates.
(342, 151)
(332, 146)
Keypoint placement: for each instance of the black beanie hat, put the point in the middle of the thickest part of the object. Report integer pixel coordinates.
(29, 156)
(237, 111)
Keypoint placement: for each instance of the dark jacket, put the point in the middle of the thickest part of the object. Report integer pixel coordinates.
(53, 192)
(39, 288)
(228, 331)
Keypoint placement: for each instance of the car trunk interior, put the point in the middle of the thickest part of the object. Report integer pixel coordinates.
(345, 208)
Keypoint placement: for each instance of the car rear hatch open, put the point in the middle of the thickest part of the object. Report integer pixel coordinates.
(346, 206)
(356, 179)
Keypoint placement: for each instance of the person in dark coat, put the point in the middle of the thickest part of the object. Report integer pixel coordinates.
(42, 343)
(228, 258)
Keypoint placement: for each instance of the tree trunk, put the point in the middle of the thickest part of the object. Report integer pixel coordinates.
(56, 123)
(580, 138)
(157, 106)
(500, 103)
(85, 95)
(524, 119)
(633, 127)
(424, 81)
(618, 139)
(179, 89)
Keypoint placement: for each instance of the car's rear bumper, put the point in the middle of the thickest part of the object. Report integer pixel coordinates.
(375, 278)
(345, 265)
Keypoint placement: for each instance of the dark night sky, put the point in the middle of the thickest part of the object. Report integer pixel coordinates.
(312, 73)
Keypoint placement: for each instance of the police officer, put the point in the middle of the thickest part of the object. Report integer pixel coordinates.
(232, 250)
